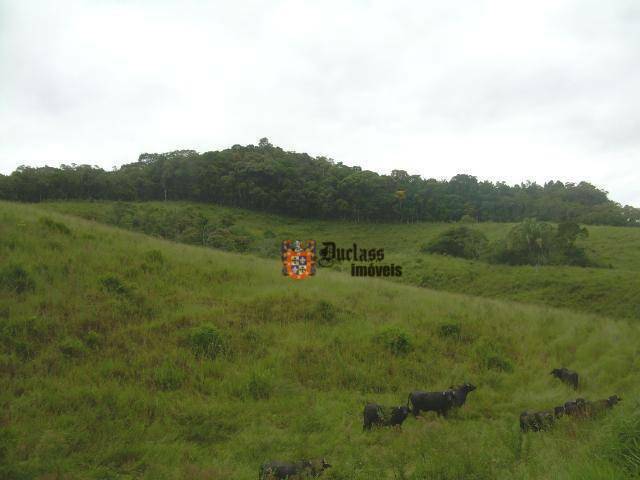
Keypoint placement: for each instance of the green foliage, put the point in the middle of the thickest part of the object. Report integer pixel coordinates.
(461, 242)
(154, 257)
(72, 347)
(113, 284)
(92, 339)
(624, 442)
(53, 226)
(206, 341)
(600, 291)
(141, 405)
(259, 385)
(266, 178)
(448, 330)
(168, 376)
(491, 356)
(539, 243)
(395, 340)
(322, 311)
(14, 278)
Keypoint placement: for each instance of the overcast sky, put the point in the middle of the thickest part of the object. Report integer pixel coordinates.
(504, 90)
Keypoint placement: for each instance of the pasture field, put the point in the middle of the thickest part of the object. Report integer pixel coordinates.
(127, 356)
(611, 290)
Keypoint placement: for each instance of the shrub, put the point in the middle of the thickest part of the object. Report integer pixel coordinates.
(206, 341)
(624, 446)
(460, 241)
(540, 243)
(449, 331)
(322, 311)
(259, 386)
(54, 226)
(227, 220)
(14, 278)
(168, 376)
(72, 347)
(92, 339)
(491, 356)
(154, 256)
(114, 285)
(395, 340)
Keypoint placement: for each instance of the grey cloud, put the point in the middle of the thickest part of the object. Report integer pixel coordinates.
(496, 88)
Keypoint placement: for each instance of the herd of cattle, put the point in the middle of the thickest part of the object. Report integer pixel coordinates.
(441, 402)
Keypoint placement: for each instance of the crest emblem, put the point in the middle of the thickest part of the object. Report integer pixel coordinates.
(298, 258)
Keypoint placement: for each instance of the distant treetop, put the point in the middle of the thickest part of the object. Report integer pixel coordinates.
(267, 178)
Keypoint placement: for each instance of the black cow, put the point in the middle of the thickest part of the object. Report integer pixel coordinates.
(575, 408)
(375, 414)
(600, 406)
(282, 470)
(460, 393)
(440, 402)
(537, 421)
(567, 376)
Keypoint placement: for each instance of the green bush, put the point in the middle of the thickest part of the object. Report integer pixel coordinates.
(259, 386)
(168, 376)
(322, 311)
(624, 447)
(71, 347)
(539, 243)
(154, 256)
(206, 341)
(395, 340)
(114, 285)
(16, 279)
(54, 226)
(448, 330)
(459, 241)
(92, 339)
(492, 356)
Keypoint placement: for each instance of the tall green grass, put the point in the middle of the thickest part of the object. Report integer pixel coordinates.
(133, 357)
(610, 290)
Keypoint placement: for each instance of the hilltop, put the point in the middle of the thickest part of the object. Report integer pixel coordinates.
(126, 356)
(268, 179)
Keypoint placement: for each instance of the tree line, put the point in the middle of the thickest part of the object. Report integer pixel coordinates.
(266, 178)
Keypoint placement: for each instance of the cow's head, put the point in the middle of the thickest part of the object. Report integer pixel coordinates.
(556, 372)
(468, 387)
(558, 411)
(403, 411)
(612, 400)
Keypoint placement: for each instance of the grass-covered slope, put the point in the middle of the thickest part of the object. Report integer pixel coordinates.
(130, 357)
(611, 290)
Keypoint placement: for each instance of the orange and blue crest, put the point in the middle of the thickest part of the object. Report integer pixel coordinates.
(298, 258)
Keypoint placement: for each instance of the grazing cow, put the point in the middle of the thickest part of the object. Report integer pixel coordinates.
(285, 470)
(575, 408)
(592, 409)
(375, 414)
(537, 421)
(460, 393)
(440, 402)
(566, 376)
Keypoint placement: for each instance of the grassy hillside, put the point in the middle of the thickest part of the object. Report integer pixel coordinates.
(126, 356)
(610, 290)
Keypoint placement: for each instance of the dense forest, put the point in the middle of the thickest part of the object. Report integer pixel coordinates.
(269, 179)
